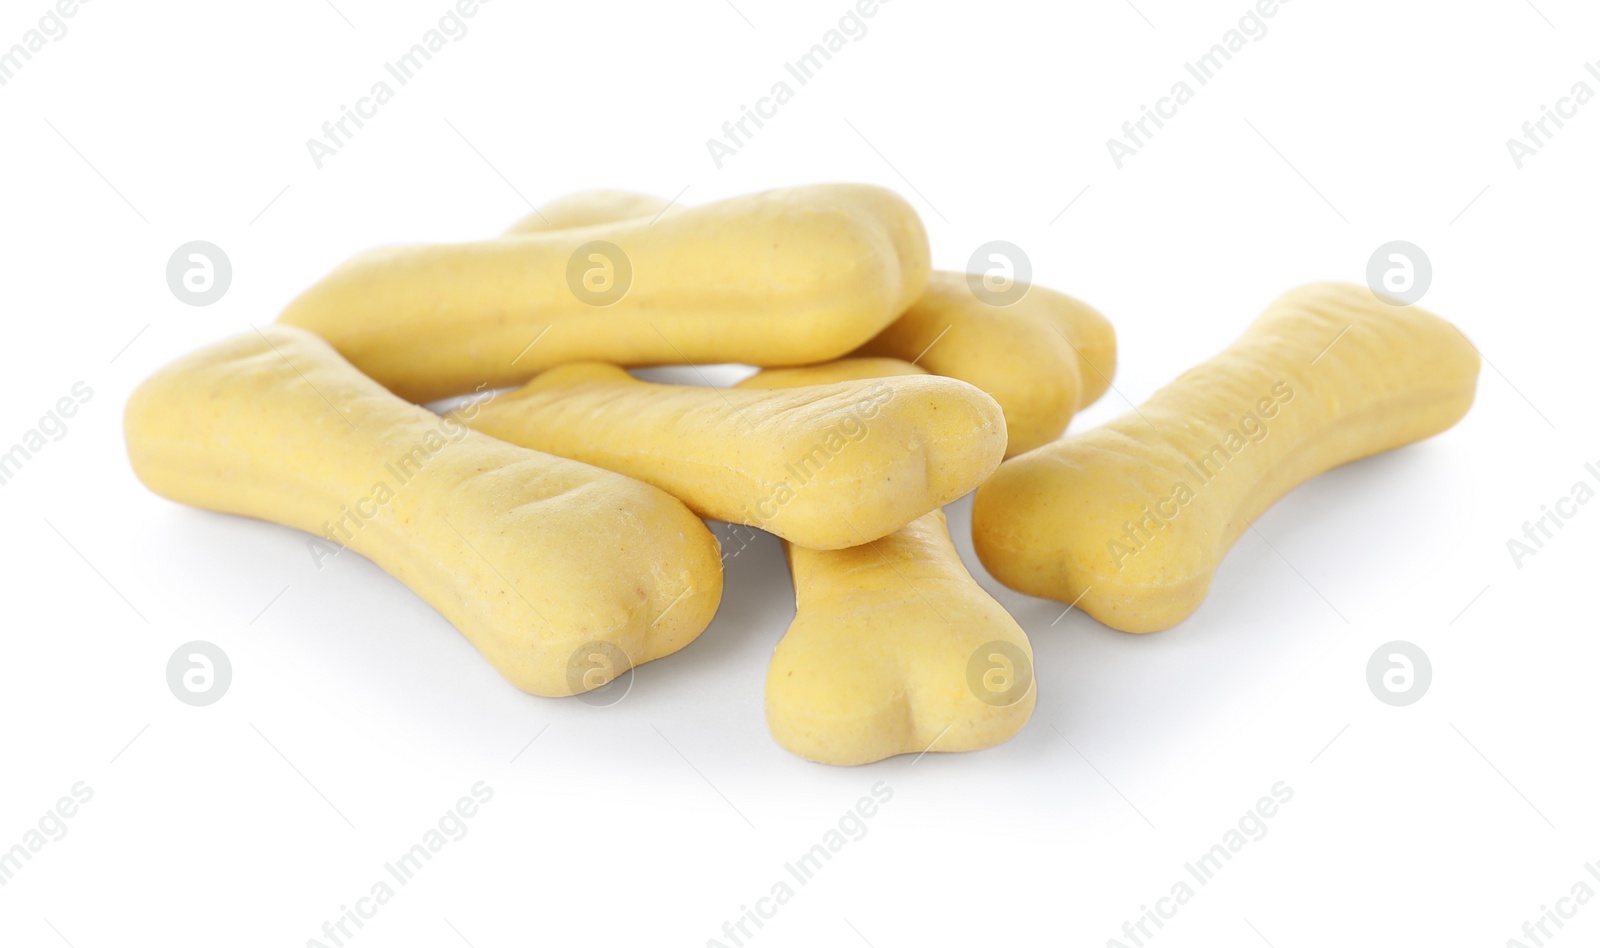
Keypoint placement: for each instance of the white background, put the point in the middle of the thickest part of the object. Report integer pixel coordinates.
(357, 716)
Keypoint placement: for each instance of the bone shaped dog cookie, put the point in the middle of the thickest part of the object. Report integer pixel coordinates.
(825, 466)
(1043, 356)
(784, 277)
(1131, 519)
(538, 560)
(894, 647)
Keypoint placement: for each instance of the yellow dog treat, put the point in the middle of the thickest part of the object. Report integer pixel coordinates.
(1130, 520)
(825, 466)
(1043, 358)
(587, 208)
(894, 648)
(779, 278)
(826, 373)
(543, 563)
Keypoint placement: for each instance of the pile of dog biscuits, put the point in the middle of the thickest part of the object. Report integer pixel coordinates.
(557, 519)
